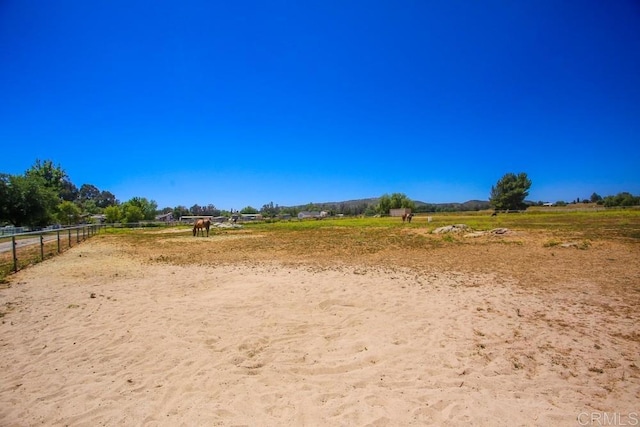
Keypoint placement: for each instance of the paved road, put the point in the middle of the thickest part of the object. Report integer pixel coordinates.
(5, 245)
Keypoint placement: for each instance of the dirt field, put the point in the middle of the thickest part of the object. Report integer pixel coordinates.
(324, 327)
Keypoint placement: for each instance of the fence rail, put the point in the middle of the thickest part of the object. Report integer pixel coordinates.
(18, 250)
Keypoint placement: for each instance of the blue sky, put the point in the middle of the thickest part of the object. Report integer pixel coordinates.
(244, 103)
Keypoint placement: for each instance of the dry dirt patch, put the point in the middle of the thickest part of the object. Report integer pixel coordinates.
(280, 330)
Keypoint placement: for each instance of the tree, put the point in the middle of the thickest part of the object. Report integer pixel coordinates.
(595, 198)
(269, 210)
(91, 207)
(131, 213)
(68, 213)
(621, 199)
(211, 209)
(4, 197)
(180, 211)
(106, 199)
(53, 177)
(112, 214)
(249, 210)
(69, 191)
(510, 192)
(147, 207)
(88, 192)
(26, 200)
(395, 201)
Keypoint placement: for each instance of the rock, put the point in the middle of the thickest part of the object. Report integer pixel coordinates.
(499, 231)
(455, 228)
(494, 232)
(228, 225)
(476, 234)
(569, 245)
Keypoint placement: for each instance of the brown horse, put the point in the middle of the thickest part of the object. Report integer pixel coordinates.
(201, 225)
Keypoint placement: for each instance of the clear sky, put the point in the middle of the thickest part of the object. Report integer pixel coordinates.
(242, 103)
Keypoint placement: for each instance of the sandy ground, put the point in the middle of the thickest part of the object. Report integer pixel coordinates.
(96, 336)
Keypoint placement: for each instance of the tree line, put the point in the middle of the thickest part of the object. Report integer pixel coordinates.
(45, 195)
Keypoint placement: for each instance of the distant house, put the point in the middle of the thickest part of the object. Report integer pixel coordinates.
(250, 217)
(312, 215)
(190, 219)
(97, 219)
(547, 204)
(168, 217)
(399, 212)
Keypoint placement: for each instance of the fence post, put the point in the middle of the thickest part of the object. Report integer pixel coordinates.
(69, 230)
(15, 255)
(41, 247)
(58, 233)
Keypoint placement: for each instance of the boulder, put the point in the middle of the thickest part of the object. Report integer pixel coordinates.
(455, 228)
(494, 232)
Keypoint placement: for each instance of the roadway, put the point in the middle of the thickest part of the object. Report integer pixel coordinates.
(5, 244)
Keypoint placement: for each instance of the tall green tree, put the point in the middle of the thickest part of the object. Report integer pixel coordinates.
(131, 213)
(68, 213)
(180, 211)
(106, 199)
(26, 200)
(269, 210)
(53, 177)
(113, 214)
(147, 207)
(88, 192)
(510, 192)
(4, 197)
(595, 198)
(622, 199)
(394, 201)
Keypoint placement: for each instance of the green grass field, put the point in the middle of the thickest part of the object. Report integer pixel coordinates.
(620, 223)
(373, 234)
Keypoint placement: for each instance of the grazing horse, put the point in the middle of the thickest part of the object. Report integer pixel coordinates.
(407, 217)
(201, 225)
